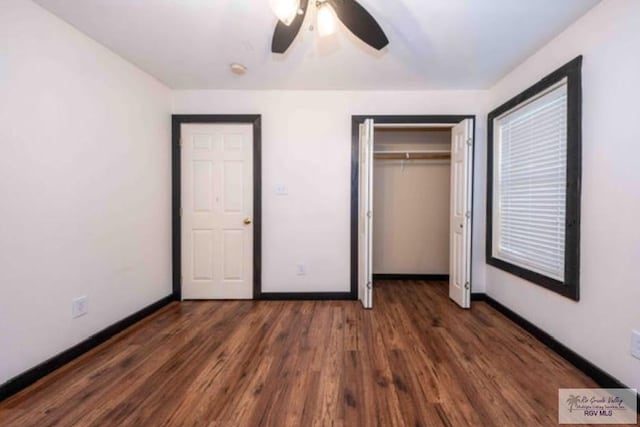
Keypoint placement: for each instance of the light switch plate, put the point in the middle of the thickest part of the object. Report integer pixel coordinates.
(79, 307)
(301, 270)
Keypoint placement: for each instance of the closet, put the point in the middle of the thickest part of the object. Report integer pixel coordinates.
(414, 198)
(411, 201)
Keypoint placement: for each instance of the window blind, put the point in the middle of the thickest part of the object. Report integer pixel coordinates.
(530, 169)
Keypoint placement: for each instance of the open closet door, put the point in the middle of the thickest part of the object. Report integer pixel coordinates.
(365, 215)
(460, 224)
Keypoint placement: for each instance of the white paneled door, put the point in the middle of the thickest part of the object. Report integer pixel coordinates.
(460, 224)
(217, 211)
(365, 215)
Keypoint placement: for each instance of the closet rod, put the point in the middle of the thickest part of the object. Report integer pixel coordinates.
(416, 126)
(412, 152)
(412, 156)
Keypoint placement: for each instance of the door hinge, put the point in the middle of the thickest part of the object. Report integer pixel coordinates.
(466, 285)
(369, 285)
(369, 214)
(180, 142)
(468, 214)
(469, 142)
(180, 211)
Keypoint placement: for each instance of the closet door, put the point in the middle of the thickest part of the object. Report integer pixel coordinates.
(460, 223)
(365, 215)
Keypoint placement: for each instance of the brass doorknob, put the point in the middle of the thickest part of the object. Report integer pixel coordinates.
(247, 221)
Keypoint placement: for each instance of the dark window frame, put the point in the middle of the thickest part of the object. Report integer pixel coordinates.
(570, 288)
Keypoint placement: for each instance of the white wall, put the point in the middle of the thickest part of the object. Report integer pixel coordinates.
(307, 147)
(84, 183)
(599, 326)
(411, 204)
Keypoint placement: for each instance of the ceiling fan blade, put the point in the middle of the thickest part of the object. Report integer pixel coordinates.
(360, 22)
(284, 34)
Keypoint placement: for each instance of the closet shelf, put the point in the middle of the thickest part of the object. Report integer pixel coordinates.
(412, 155)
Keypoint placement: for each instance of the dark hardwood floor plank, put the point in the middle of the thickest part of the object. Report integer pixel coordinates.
(330, 393)
(378, 372)
(188, 363)
(109, 362)
(416, 359)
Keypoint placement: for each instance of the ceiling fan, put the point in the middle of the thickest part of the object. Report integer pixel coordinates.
(291, 14)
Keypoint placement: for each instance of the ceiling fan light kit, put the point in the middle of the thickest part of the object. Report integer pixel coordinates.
(291, 15)
(285, 10)
(326, 19)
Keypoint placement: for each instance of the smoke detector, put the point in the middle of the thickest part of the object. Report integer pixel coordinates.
(238, 69)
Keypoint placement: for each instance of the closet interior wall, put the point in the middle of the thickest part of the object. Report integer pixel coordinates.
(411, 204)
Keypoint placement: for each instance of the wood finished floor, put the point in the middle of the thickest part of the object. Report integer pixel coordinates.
(415, 360)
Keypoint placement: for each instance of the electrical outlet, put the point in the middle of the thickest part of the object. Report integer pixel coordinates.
(301, 270)
(635, 344)
(79, 307)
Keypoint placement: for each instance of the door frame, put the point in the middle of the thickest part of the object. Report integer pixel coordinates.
(177, 120)
(356, 120)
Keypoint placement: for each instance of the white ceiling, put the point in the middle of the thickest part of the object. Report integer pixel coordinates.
(434, 44)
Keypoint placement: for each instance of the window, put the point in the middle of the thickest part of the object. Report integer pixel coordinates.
(533, 182)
